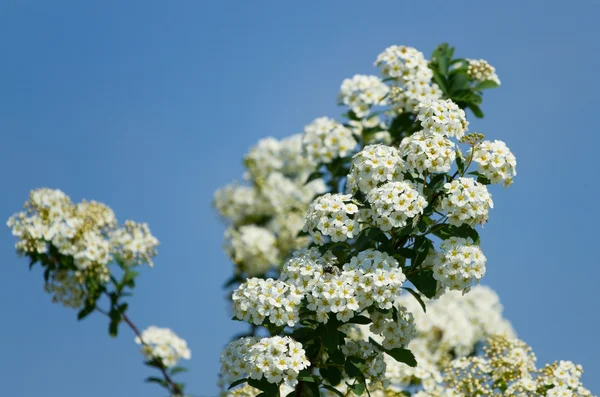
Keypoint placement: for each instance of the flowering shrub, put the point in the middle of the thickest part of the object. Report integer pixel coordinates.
(355, 249)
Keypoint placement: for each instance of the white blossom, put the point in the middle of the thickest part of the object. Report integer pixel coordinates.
(325, 140)
(466, 201)
(164, 345)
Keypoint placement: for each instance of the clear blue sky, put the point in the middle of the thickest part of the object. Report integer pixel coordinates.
(150, 105)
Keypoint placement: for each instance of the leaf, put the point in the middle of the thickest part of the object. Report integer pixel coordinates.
(417, 297)
(360, 320)
(458, 82)
(484, 85)
(332, 389)
(373, 342)
(154, 379)
(83, 313)
(237, 383)
(314, 176)
(421, 248)
(463, 231)
(314, 389)
(233, 280)
(270, 389)
(403, 356)
(357, 388)
(113, 328)
(476, 110)
(460, 164)
(351, 369)
(332, 375)
(178, 370)
(424, 282)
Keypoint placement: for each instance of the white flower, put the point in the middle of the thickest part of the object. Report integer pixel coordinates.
(459, 264)
(480, 70)
(373, 165)
(442, 117)
(496, 162)
(426, 152)
(325, 139)
(466, 202)
(394, 203)
(252, 248)
(362, 92)
(164, 345)
(257, 300)
(276, 359)
(134, 243)
(332, 215)
(412, 75)
(238, 203)
(395, 333)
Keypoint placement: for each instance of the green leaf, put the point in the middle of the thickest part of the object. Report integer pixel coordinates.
(178, 370)
(351, 369)
(313, 176)
(154, 379)
(270, 389)
(483, 180)
(332, 375)
(476, 110)
(314, 389)
(237, 383)
(424, 282)
(233, 280)
(484, 85)
(421, 248)
(417, 297)
(373, 342)
(463, 231)
(458, 82)
(357, 388)
(87, 310)
(113, 328)
(460, 164)
(403, 356)
(360, 320)
(332, 389)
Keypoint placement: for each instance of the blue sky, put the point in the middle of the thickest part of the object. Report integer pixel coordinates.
(150, 105)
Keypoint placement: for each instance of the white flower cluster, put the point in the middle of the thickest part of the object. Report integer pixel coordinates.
(305, 268)
(496, 162)
(394, 203)
(53, 226)
(442, 117)
(87, 231)
(252, 248)
(459, 264)
(466, 201)
(276, 359)
(332, 215)
(370, 278)
(133, 243)
(361, 92)
(359, 127)
(411, 71)
(257, 300)
(455, 324)
(325, 139)
(164, 345)
(374, 361)
(237, 203)
(481, 70)
(273, 155)
(395, 333)
(428, 153)
(374, 165)
(563, 379)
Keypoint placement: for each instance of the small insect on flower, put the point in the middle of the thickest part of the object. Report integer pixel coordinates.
(331, 270)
